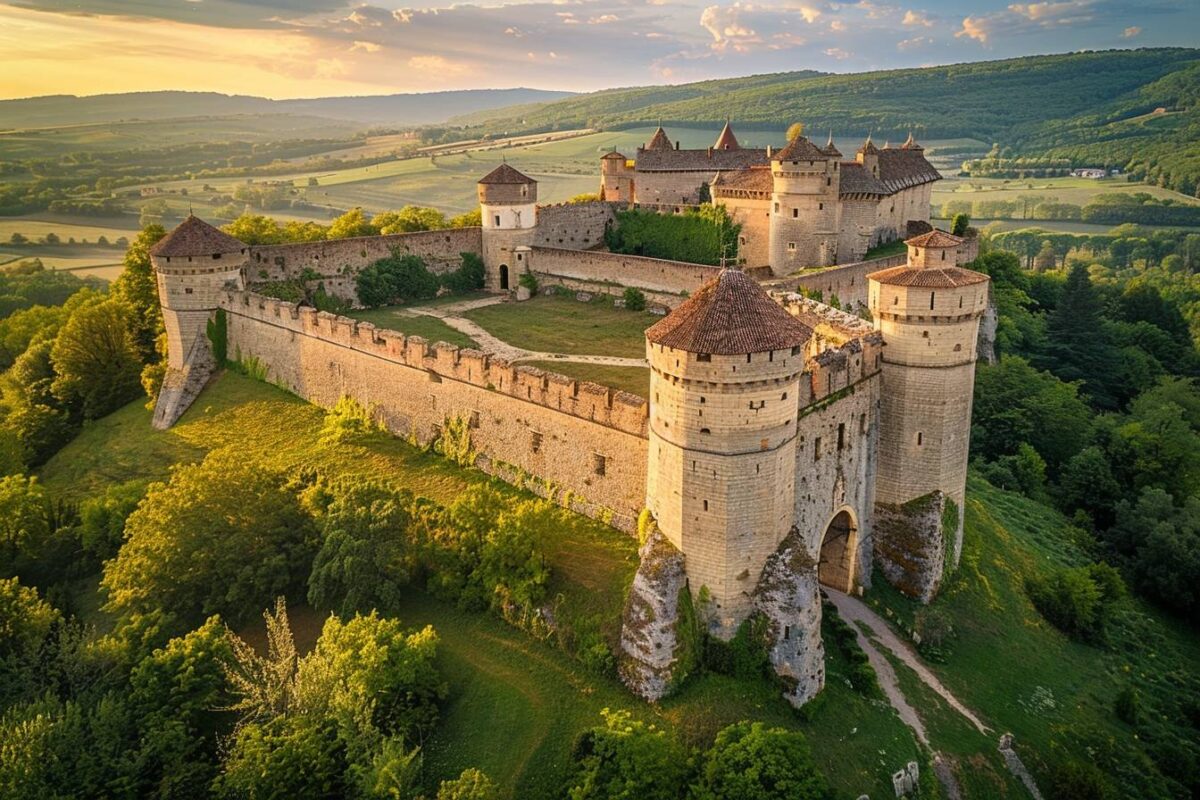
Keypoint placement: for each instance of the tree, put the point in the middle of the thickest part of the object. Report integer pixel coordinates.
(472, 784)
(409, 219)
(959, 224)
(97, 364)
(1078, 600)
(794, 131)
(626, 759)
(354, 222)
(512, 566)
(26, 625)
(474, 219)
(364, 558)
(24, 519)
(749, 761)
(1160, 541)
(635, 300)
(136, 286)
(1087, 482)
(102, 518)
(221, 537)
(1076, 348)
(254, 229)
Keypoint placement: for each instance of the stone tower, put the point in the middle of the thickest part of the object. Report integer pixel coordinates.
(508, 207)
(616, 178)
(804, 206)
(928, 312)
(192, 265)
(868, 156)
(724, 373)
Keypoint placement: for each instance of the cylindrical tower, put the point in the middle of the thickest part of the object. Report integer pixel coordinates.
(192, 265)
(804, 206)
(616, 178)
(724, 372)
(928, 312)
(508, 207)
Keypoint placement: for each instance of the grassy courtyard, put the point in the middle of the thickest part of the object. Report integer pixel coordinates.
(635, 380)
(409, 324)
(553, 324)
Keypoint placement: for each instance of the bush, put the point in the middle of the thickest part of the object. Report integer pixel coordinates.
(468, 277)
(529, 281)
(626, 759)
(1127, 705)
(749, 761)
(634, 299)
(1078, 600)
(396, 279)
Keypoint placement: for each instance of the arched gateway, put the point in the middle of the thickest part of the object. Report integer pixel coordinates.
(839, 551)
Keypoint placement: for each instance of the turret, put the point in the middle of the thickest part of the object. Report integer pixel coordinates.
(724, 373)
(868, 156)
(928, 312)
(726, 141)
(193, 265)
(804, 206)
(616, 178)
(508, 208)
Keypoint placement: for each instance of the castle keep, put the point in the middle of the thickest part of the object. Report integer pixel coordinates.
(799, 206)
(784, 446)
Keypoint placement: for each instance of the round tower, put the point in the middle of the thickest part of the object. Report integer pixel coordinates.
(193, 264)
(928, 312)
(724, 376)
(616, 178)
(804, 206)
(508, 208)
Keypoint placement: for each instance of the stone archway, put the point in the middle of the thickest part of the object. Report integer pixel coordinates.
(839, 551)
(504, 277)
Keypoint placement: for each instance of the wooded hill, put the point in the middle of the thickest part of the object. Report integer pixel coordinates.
(1097, 108)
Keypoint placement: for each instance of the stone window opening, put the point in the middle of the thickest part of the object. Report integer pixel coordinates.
(599, 464)
(787, 632)
(783, 396)
(497, 216)
(535, 441)
(931, 296)
(791, 247)
(943, 255)
(817, 448)
(756, 405)
(747, 358)
(705, 430)
(706, 505)
(795, 213)
(920, 438)
(796, 350)
(187, 290)
(960, 302)
(820, 206)
(958, 347)
(704, 356)
(216, 255)
(702, 400)
(896, 300)
(771, 355)
(841, 436)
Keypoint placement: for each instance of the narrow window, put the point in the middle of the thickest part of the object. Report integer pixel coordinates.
(705, 430)
(791, 247)
(820, 206)
(817, 449)
(920, 438)
(706, 505)
(960, 301)
(931, 296)
(535, 442)
(187, 290)
(704, 356)
(747, 358)
(497, 220)
(841, 435)
(787, 632)
(795, 213)
(599, 464)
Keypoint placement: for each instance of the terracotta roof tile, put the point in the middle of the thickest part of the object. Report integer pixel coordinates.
(755, 179)
(729, 315)
(935, 238)
(612, 154)
(857, 180)
(505, 174)
(901, 169)
(726, 141)
(659, 141)
(699, 160)
(868, 147)
(929, 277)
(195, 237)
(800, 149)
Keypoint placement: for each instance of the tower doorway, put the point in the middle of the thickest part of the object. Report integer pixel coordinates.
(504, 277)
(839, 549)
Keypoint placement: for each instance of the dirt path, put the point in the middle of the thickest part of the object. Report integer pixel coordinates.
(854, 610)
(451, 315)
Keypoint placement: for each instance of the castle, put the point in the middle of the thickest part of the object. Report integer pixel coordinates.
(799, 206)
(785, 445)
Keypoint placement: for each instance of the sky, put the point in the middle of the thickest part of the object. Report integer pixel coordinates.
(316, 48)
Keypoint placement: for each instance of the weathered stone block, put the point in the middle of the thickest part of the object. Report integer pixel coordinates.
(651, 650)
(788, 594)
(910, 545)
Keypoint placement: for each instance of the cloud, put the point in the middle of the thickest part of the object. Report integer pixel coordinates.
(913, 19)
(916, 43)
(365, 47)
(838, 53)
(1033, 19)
(603, 19)
(1131, 32)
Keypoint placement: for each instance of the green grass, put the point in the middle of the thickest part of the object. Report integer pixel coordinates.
(431, 328)
(1005, 660)
(635, 380)
(552, 324)
(1077, 191)
(895, 248)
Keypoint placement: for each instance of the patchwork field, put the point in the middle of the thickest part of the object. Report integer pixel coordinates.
(1077, 191)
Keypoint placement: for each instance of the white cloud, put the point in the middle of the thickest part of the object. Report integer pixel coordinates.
(1131, 32)
(604, 19)
(365, 47)
(838, 53)
(913, 19)
(915, 43)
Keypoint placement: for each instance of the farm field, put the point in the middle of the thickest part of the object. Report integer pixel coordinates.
(65, 227)
(516, 705)
(1077, 191)
(553, 324)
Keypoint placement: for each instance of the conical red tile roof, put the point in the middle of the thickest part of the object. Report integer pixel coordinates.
(504, 174)
(659, 141)
(195, 237)
(726, 141)
(729, 315)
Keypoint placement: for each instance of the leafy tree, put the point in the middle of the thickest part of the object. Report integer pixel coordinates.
(959, 224)
(1156, 446)
(397, 278)
(26, 625)
(1078, 600)
(354, 222)
(470, 219)
(1087, 482)
(468, 277)
(749, 761)
(220, 537)
(40, 429)
(298, 756)
(635, 300)
(409, 219)
(511, 564)
(96, 364)
(364, 557)
(1159, 539)
(102, 518)
(472, 784)
(24, 519)
(626, 759)
(137, 288)
(255, 229)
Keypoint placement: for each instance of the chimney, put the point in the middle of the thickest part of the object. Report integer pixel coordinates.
(768, 151)
(676, 144)
(710, 152)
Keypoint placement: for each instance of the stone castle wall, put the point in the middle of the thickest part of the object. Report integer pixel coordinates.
(559, 265)
(848, 281)
(574, 226)
(589, 440)
(671, 191)
(337, 261)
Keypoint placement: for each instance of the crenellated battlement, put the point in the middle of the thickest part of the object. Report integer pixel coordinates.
(442, 361)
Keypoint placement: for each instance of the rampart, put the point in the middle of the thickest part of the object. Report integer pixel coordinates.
(337, 261)
(602, 271)
(847, 281)
(583, 444)
(574, 226)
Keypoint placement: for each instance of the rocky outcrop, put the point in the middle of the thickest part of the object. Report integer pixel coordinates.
(911, 548)
(655, 647)
(181, 387)
(788, 595)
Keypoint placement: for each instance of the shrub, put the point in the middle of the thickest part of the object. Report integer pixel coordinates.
(1127, 705)
(1078, 600)
(635, 300)
(626, 759)
(468, 277)
(529, 281)
(749, 761)
(398, 278)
